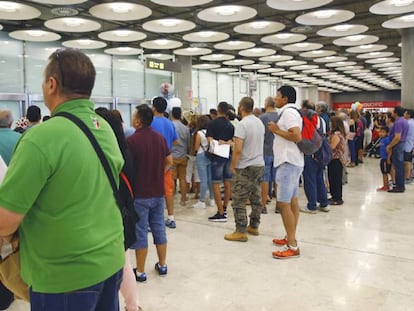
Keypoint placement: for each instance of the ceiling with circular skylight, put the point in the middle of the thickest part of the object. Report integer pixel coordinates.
(330, 41)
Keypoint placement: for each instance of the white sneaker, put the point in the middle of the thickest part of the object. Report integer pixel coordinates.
(212, 203)
(199, 204)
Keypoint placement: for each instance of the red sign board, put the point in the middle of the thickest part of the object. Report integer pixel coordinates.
(369, 105)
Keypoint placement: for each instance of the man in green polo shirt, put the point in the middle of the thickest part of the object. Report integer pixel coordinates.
(57, 195)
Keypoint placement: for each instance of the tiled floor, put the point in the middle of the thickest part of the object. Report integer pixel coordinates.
(359, 256)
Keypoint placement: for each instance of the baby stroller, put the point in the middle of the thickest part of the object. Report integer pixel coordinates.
(373, 148)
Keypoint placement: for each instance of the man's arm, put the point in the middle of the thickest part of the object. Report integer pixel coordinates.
(292, 134)
(168, 162)
(9, 222)
(238, 146)
(394, 141)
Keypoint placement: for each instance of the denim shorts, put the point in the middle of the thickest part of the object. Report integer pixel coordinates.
(287, 180)
(269, 172)
(220, 169)
(151, 214)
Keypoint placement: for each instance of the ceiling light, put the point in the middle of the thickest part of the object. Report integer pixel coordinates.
(84, 41)
(356, 38)
(234, 42)
(73, 22)
(227, 10)
(256, 50)
(124, 49)
(206, 34)
(161, 41)
(35, 33)
(402, 2)
(283, 35)
(302, 44)
(366, 46)
(342, 27)
(408, 18)
(259, 25)
(9, 7)
(317, 52)
(169, 22)
(122, 33)
(192, 49)
(217, 55)
(374, 53)
(121, 8)
(324, 14)
(156, 55)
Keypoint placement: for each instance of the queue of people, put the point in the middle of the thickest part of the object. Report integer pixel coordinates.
(67, 220)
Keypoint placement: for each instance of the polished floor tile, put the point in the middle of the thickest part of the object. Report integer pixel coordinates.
(359, 256)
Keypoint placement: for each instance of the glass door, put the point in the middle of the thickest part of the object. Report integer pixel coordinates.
(126, 106)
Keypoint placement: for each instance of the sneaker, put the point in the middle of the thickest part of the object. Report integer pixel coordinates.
(225, 211)
(199, 204)
(280, 242)
(162, 270)
(383, 189)
(307, 210)
(252, 231)
(264, 210)
(332, 202)
(277, 210)
(286, 253)
(324, 208)
(170, 223)
(218, 218)
(236, 236)
(212, 203)
(396, 190)
(140, 277)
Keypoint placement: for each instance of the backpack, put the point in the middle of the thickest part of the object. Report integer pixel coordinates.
(324, 154)
(311, 138)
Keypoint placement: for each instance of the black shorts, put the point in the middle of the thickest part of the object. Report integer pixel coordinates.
(385, 168)
(408, 156)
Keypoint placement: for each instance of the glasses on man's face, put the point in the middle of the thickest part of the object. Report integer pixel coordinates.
(57, 52)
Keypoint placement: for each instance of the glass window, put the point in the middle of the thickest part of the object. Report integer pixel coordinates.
(11, 62)
(14, 107)
(128, 77)
(126, 113)
(225, 88)
(37, 55)
(208, 89)
(103, 80)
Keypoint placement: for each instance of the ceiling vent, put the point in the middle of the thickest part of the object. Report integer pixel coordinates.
(62, 11)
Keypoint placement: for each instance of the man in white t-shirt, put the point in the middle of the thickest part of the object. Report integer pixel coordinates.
(247, 170)
(289, 162)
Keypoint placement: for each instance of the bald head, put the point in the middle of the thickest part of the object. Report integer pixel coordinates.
(6, 118)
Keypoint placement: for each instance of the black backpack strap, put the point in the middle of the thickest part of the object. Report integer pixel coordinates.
(96, 146)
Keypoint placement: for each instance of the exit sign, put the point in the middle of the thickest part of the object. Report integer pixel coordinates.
(164, 65)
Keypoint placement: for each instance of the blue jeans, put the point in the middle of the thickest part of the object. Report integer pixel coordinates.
(220, 169)
(204, 173)
(314, 184)
(150, 214)
(100, 297)
(397, 160)
(287, 180)
(352, 150)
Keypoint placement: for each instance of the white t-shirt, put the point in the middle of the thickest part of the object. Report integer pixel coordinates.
(283, 149)
(203, 141)
(252, 131)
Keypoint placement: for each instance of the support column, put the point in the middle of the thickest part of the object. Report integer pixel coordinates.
(309, 93)
(407, 52)
(182, 82)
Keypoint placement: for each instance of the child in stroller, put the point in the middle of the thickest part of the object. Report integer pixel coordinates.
(373, 148)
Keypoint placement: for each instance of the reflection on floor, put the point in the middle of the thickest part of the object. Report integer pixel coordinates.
(359, 256)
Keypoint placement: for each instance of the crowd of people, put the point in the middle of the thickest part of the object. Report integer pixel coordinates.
(67, 219)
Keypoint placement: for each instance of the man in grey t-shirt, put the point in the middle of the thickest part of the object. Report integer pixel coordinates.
(269, 173)
(247, 169)
(179, 153)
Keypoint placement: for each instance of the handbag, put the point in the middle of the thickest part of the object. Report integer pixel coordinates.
(10, 276)
(129, 216)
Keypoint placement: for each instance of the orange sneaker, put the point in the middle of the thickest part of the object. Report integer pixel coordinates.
(280, 242)
(286, 253)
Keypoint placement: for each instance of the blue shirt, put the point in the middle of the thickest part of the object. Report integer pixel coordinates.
(166, 128)
(383, 146)
(8, 140)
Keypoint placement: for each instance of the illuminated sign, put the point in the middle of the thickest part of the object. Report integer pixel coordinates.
(164, 65)
(373, 104)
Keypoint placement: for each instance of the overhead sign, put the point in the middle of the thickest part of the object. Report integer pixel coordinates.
(369, 105)
(164, 65)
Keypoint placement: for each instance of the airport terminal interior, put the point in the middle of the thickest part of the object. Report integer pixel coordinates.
(359, 255)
